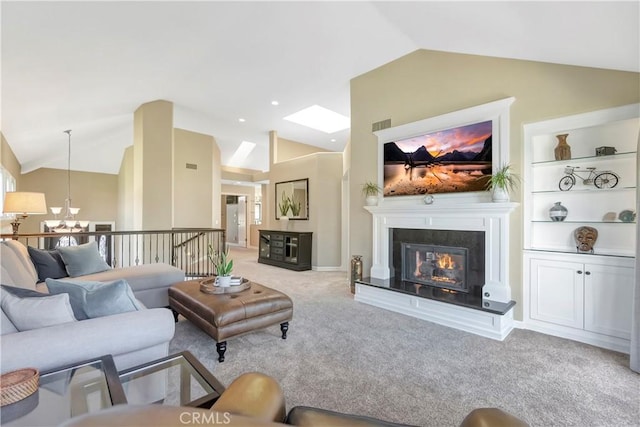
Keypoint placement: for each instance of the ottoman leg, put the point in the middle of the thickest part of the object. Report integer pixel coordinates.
(284, 327)
(175, 315)
(221, 347)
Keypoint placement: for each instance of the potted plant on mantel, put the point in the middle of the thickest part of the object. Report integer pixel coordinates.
(501, 182)
(223, 266)
(370, 190)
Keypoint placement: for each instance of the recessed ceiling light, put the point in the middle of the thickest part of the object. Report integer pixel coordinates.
(241, 120)
(241, 153)
(275, 103)
(333, 140)
(320, 118)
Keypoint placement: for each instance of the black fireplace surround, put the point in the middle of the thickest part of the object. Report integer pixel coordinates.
(470, 296)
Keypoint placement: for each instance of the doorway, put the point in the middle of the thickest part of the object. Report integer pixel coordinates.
(234, 212)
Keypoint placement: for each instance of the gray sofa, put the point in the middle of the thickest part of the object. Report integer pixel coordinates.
(131, 338)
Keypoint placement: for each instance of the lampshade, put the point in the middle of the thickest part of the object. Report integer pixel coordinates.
(24, 203)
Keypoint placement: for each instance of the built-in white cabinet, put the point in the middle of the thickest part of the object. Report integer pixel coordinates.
(586, 298)
(608, 300)
(557, 292)
(581, 296)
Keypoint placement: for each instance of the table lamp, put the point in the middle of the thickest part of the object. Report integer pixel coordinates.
(23, 204)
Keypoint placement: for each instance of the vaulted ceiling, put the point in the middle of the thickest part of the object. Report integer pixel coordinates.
(87, 66)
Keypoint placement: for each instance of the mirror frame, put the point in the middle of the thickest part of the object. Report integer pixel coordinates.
(281, 187)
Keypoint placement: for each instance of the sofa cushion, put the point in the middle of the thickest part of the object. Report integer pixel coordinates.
(48, 264)
(82, 259)
(6, 325)
(142, 277)
(36, 312)
(17, 268)
(96, 299)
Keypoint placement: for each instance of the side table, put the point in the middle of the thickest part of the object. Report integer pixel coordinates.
(176, 380)
(66, 392)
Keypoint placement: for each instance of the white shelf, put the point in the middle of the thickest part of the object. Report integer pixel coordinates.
(617, 156)
(617, 188)
(587, 205)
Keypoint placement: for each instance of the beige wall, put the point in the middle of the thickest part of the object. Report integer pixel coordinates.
(427, 83)
(153, 166)
(193, 188)
(287, 150)
(96, 194)
(9, 160)
(324, 171)
(125, 192)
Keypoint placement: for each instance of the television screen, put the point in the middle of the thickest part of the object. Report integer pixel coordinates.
(448, 161)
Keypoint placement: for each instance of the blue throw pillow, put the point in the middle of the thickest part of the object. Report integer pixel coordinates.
(96, 299)
(48, 264)
(82, 259)
(23, 292)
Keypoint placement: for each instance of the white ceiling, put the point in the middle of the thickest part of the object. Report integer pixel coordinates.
(87, 66)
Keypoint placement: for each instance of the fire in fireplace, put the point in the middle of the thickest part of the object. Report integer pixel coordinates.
(434, 265)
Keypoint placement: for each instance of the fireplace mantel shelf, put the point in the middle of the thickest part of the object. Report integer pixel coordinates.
(441, 209)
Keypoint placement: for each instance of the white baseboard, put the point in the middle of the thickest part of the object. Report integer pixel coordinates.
(338, 268)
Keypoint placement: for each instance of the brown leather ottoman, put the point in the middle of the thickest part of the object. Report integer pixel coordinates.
(225, 316)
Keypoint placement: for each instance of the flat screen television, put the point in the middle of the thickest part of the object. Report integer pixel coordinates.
(448, 161)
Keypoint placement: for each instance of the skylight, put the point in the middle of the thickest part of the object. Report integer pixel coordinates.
(241, 153)
(320, 118)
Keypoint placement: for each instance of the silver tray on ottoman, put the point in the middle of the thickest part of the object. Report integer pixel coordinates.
(208, 286)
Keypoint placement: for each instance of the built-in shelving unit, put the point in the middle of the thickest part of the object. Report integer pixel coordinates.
(582, 296)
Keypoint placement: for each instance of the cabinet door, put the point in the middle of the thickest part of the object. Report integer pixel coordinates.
(265, 245)
(608, 300)
(556, 292)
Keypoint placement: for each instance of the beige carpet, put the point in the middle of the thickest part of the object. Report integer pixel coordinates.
(351, 357)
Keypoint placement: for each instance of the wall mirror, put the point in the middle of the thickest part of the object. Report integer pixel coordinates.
(292, 199)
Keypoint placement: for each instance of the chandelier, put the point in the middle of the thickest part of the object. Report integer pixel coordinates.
(68, 223)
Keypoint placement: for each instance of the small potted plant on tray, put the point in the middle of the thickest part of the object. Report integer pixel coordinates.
(223, 266)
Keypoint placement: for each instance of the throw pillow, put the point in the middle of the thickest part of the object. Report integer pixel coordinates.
(19, 292)
(82, 259)
(36, 312)
(47, 263)
(96, 299)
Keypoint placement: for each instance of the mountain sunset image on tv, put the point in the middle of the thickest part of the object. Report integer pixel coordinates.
(448, 161)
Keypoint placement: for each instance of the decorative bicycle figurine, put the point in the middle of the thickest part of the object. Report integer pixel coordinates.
(601, 179)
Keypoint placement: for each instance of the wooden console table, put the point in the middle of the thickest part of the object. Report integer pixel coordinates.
(286, 249)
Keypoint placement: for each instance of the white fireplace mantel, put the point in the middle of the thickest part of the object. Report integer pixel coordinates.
(492, 218)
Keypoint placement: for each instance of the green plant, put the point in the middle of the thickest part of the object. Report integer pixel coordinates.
(220, 261)
(284, 205)
(504, 178)
(295, 207)
(370, 188)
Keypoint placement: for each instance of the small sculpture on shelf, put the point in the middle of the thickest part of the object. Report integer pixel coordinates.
(600, 179)
(558, 212)
(585, 238)
(627, 215)
(562, 150)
